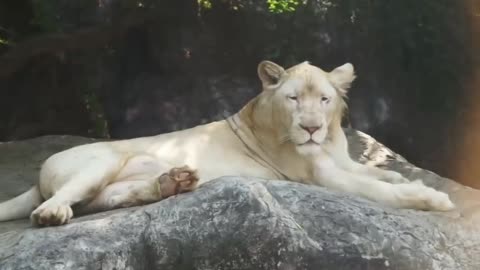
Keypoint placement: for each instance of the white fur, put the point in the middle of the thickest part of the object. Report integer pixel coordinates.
(102, 175)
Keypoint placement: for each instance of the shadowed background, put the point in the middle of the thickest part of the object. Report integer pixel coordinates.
(124, 68)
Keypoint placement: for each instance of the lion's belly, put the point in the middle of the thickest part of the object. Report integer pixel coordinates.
(213, 161)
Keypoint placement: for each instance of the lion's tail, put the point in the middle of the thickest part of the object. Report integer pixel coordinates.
(20, 206)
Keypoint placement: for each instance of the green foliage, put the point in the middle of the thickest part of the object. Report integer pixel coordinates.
(281, 6)
(4, 41)
(204, 4)
(274, 6)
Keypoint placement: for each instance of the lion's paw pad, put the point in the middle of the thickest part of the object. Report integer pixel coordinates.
(183, 174)
(178, 180)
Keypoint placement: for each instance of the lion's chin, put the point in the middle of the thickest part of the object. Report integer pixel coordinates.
(309, 148)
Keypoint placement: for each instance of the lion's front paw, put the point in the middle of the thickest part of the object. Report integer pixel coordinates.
(178, 180)
(418, 196)
(51, 215)
(394, 177)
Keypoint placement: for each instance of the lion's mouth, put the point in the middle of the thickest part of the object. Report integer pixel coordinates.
(309, 142)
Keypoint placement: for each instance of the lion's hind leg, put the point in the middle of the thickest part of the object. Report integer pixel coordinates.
(136, 193)
(77, 186)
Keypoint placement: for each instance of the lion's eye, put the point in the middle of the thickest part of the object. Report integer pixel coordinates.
(292, 98)
(325, 99)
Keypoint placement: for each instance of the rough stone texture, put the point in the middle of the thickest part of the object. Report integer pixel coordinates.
(237, 223)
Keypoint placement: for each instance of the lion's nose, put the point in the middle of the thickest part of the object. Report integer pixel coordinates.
(310, 130)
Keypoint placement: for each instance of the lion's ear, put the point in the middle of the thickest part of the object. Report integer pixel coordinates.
(342, 77)
(270, 73)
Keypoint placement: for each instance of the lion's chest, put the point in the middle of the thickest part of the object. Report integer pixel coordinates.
(212, 155)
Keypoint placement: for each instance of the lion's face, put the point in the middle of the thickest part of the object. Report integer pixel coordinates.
(305, 100)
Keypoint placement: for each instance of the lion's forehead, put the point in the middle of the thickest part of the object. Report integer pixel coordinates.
(309, 82)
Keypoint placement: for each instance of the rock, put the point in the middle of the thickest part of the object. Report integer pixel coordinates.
(239, 223)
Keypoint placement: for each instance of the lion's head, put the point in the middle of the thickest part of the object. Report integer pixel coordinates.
(302, 104)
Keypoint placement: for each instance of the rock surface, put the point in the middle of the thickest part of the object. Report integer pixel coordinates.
(238, 223)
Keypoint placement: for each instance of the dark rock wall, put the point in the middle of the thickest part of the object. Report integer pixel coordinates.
(123, 68)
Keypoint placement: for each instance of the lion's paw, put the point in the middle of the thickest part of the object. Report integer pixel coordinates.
(178, 180)
(418, 196)
(51, 215)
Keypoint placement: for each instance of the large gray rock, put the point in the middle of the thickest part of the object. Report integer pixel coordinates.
(238, 223)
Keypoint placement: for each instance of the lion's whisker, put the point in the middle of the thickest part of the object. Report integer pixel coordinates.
(285, 138)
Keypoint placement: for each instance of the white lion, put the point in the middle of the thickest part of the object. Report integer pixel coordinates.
(290, 131)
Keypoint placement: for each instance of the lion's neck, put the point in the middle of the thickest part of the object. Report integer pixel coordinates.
(253, 148)
(263, 145)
